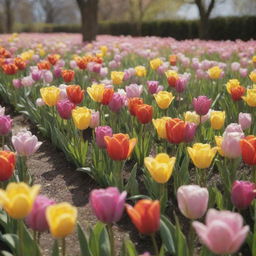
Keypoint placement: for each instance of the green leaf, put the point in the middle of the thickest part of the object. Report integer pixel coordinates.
(166, 236)
(130, 248)
(11, 240)
(5, 253)
(132, 186)
(105, 248)
(55, 249)
(83, 241)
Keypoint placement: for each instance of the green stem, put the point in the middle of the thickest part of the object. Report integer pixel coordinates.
(63, 246)
(20, 234)
(3, 142)
(191, 239)
(162, 196)
(153, 238)
(254, 173)
(111, 238)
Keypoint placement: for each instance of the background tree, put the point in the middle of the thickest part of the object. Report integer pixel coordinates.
(89, 18)
(7, 15)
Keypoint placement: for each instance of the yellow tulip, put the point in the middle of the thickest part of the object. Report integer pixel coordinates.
(214, 72)
(217, 119)
(192, 117)
(160, 167)
(164, 99)
(140, 71)
(250, 97)
(253, 76)
(218, 141)
(160, 125)
(202, 154)
(81, 117)
(96, 92)
(61, 219)
(18, 199)
(171, 73)
(104, 50)
(232, 83)
(254, 59)
(156, 63)
(50, 95)
(117, 77)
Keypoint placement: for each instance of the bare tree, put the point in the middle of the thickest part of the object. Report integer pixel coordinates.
(89, 18)
(7, 18)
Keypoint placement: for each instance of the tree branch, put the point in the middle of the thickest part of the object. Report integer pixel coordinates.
(210, 7)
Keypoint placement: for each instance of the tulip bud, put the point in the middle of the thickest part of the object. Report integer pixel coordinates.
(202, 105)
(5, 125)
(242, 194)
(190, 131)
(245, 120)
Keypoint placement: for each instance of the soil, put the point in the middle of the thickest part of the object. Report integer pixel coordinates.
(60, 181)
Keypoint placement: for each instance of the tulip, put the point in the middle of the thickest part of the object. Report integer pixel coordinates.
(160, 126)
(5, 125)
(140, 71)
(192, 117)
(16, 83)
(68, 75)
(243, 72)
(248, 148)
(217, 119)
(95, 119)
(181, 84)
(202, 105)
(253, 76)
(36, 75)
(173, 60)
(245, 120)
(7, 165)
(192, 201)
(202, 155)
(119, 146)
(81, 117)
(53, 58)
(25, 143)
(107, 96)
(164, 99)
(57, 71)
(40, 102)
(116, 102)
(156, 63)
(154, 87)
(237, 93)
(235, 66)
(175, 130)
(61, 219)
(145, 215)
(172, 77)
(47, 76)
(50, 95)
(231, 84)
(144, 113)
(223, 233)
(107, 204)
(215, 72)
(10, 69)
(242, 194)
(18, 199)
(100, 133)
(75, 94)
(160, 167)
(117, 77)
(96, 92)
(133, 90)
(132, 105)
(27, 81)
(218, 141)
(36, 219)
(250, 97)
(190, 131)
(64, 108)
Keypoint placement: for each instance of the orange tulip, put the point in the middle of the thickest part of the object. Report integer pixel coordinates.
(173, 60)
(75, 93)
(145, 215)
(53, 58)
(20, 63)
(7, 164)
(4, 53)
(119, 146)
(44, 65)
(81, 63)
(132, 104)
(248, 148)
(68, 75)
(175, 130)
(107, 96)
(144, 113)
(237, 92)
(10, 69)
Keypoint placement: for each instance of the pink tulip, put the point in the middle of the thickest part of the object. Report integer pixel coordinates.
(243, 72)
(108, 204)
(103, 72)
(190, 131)
(233, 127)
(16, 83)
(5, 125)
(64, 108)
(95, 119)
(36, 74)
(235, 66)
(192, 201)
(223, 233)
(36, 219)
(57, 71)
(47, 76)
(202, 105)
(40, 102)
(25, 143)
(242, 194)
(100, 133)
(72, 64)
(27, 81)
(154, 87)
(245, 120)
(181, 84)
(116, 103)
(231, 144)
(133, 90)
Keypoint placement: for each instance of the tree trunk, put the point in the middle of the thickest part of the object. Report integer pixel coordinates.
(89, 19)
(8, 17)
(204, 27)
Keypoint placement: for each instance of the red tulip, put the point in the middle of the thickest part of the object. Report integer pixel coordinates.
(75, 94)
(144, 113)
(175, 130)
(7, 164)
(248, 148)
